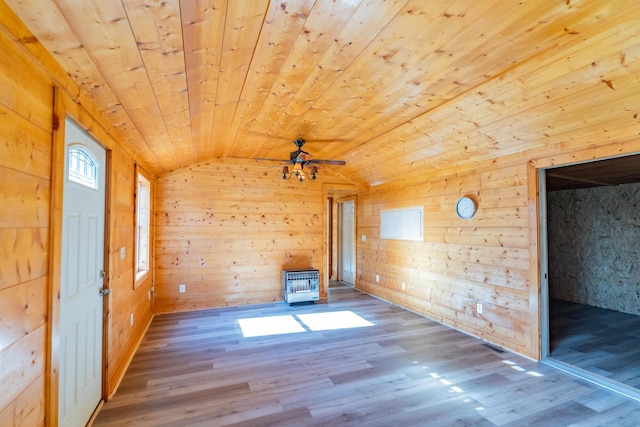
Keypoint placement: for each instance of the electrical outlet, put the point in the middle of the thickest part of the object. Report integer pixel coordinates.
(403, 286)
(479, 308)
(377, 278)
(364, 238)
(131, 319)
(183, 289)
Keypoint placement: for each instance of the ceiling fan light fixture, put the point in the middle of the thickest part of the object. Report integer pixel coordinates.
(299, 173)
(301, 158)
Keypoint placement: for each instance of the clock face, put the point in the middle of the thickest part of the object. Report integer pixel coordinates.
(466, 208)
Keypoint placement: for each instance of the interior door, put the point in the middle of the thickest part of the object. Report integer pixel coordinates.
(347, 243)
(81, 278)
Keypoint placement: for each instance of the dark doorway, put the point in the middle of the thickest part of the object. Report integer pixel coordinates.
(593, 265)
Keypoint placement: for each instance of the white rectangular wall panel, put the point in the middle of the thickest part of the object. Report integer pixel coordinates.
(402, 224)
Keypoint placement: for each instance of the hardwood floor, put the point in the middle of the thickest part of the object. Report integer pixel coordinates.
(197, 369)
(605, 342)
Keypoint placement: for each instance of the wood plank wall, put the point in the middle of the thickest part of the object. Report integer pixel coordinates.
(460, 262)
(490, 259)
(227, 229)
(28, 76)
(124, 300)
(26, 111)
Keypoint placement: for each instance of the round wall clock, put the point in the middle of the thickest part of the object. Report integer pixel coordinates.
(466, 207)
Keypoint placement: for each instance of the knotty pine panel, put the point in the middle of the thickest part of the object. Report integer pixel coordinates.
(125, 336)
(23, 254)
(28, 197)
(22, 363)
(23, 146)
(25, 90)
(200, 25)
(493, 236)
(277, 53)
(127, 298)
(26, 104)
(245, 219)
(460, 262)
(29, 407)
(23, 308)
(214, 234)
(242, 28)
(206, 246)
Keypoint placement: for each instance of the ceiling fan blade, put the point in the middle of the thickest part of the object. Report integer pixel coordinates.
(269, 159)
(327, 162)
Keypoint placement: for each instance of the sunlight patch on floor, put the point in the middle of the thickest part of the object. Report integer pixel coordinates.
(278, 325)
(333, 320)
(269, 325)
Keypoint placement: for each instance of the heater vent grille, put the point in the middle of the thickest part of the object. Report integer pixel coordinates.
(301, 285)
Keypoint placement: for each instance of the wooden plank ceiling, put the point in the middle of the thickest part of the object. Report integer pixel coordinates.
(393, 87)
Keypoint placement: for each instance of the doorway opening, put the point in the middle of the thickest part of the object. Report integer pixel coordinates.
(346, 243)
(590, 271)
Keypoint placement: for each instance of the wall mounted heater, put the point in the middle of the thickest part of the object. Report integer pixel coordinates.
(301, 285)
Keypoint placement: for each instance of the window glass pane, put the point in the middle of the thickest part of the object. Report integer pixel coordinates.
(82, 167)
(143, 219)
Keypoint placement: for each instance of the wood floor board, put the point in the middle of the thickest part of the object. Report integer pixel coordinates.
(197, 369)
(618, 416)
(484, 383)
(601, 400)
(563, 414)
(526, 402)
(287, 418)
(452, 412)
(139, 398)
(234, 412)
(603, 342)
(322, 397)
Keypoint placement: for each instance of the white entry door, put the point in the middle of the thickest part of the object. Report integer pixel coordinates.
(347, 244)
(81, 278)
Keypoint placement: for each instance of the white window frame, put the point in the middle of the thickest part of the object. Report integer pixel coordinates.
(143, 224)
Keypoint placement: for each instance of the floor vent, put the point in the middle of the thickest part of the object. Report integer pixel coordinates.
(494, 348)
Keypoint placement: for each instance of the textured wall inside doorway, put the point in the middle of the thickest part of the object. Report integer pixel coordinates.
(594, 246)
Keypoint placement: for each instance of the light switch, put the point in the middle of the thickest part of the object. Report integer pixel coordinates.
(364, 238)
(122, 252)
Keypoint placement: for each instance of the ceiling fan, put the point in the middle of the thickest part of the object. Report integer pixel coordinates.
(299, 159)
